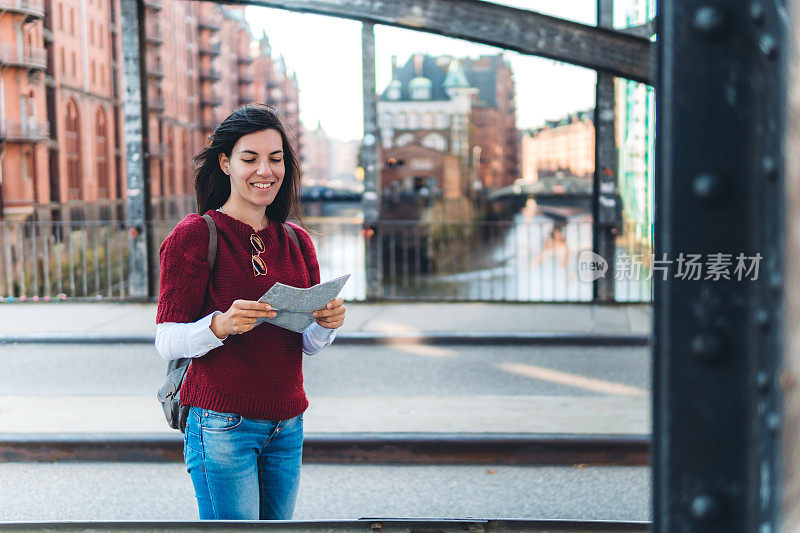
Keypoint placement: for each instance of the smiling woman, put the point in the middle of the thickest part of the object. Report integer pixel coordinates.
(249, 150)
(244, 387)
(256, 169)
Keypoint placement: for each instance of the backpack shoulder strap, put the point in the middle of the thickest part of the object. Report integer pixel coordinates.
(212, 241)
(290, 230)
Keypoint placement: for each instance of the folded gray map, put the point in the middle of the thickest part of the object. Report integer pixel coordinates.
(295, 305)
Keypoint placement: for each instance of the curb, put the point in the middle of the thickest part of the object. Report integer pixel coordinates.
(509, 338)
(354, 448)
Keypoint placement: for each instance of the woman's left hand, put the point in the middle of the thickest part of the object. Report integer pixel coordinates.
(332, 316)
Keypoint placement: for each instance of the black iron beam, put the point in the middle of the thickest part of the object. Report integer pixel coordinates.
(371, 199)
(135, 107)
(528, 32)
(606, 165)
(716, 404)
(378, 448)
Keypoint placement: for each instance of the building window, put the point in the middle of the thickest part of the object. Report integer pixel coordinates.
(73, 151)
(101, 151)
(61, 16)
(427, 120)
(74, 65)
(63, 61)
(91, 32)
(413, 120)
(401, 120)
(72, 21)
(169, 166)
(434, 141)
(405, 139)
(421, 93)
(187, 176)
(93, 74)
(442, 122)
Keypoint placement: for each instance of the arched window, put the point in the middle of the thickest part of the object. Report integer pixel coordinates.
(400, 121)
(73, 143)
(404, 139)
(434, 141)
(413, 120)
(427, 120)
(101, 153)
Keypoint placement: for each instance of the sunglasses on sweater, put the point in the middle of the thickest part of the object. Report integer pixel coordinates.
(259, 266)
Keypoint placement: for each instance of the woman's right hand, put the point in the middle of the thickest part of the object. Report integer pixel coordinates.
(240, 318)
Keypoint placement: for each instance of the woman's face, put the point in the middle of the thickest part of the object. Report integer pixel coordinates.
(256, 167)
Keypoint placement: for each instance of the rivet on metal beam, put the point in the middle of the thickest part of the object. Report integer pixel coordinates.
(709, 21)
(706, 508)
(768, 46)
(770, 168)
(762, 382)
(776, 283)
(773, 421)
(709, 188)
(708, 346)
(762, 318)
(757, 13)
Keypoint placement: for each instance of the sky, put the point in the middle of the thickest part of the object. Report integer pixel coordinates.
(325, 54)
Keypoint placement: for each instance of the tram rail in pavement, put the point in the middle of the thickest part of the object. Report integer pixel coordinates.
(372, 525)
(342, 448)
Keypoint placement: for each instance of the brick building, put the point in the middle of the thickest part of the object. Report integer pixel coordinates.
(62, 149)
(494, 119)
(563, 146)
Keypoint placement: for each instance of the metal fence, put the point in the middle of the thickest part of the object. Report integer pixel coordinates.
(524, 260)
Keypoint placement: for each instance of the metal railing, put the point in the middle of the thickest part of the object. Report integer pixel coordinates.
(509, 261)
(157, 104)
(60, 260)
(29, 130)
(14, 55)
(211, 74)
(210, 49)
(29, 7)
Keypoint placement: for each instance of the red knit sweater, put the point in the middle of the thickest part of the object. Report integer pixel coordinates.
(257, 374)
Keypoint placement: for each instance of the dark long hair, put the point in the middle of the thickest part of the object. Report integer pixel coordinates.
(213, 187)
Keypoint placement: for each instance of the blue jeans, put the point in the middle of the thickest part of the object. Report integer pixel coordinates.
(243, 468)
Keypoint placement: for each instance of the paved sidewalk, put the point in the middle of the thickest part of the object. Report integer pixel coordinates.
(449, 321)
(34, 418)
(578, 415)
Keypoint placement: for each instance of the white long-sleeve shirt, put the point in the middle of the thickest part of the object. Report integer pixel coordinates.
(175, 340)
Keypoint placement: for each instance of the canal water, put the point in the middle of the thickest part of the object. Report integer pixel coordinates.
(531, 258)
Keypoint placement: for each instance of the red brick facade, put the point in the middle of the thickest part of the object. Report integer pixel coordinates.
(62, 153)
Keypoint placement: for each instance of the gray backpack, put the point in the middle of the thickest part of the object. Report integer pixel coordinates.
(169, 394)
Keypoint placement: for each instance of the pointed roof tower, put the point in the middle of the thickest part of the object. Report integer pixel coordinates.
(455, 79)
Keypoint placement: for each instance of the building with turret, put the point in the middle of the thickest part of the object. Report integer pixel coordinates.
(448, 125)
